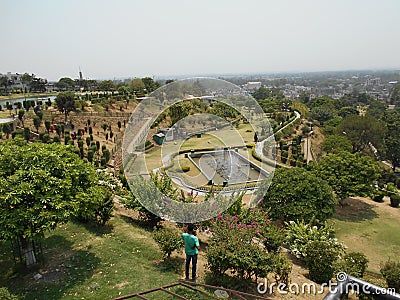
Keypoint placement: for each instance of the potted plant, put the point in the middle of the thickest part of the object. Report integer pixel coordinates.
(393, 194)
(378, 195)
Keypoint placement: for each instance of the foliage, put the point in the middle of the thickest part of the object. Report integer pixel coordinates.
(164, 185)
(274, 238)
(39, 184)
(323, 113)
(354, 263)
(348, 174)
(6, 295)
(336, 143)
(297, 194)
(363, 130)
(169, 240)
(321, 257)
(65, 103)
(390, 270)
(392, 138)
(300, 234)
(95, 205)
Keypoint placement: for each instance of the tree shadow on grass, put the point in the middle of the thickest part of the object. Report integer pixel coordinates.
(62, 268)
(175, 264)
(138, 223)
(96, 229)
(355, 210)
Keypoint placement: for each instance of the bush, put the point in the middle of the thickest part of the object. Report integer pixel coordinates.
(6, 295)
(394, 200)
(168, 240)
(320, 258)
(390, 270)
(185, 168)
(274, 238)
(282, 267)
(354, 263)
(300, 235)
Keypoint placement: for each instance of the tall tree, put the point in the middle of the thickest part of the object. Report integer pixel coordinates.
(65, 103)
(363, 131)
(7, 129)
(298, 194)
(392, 138)
(36, 123)
(39, 184)
(349, 174)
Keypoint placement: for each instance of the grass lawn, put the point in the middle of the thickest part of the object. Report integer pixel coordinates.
(88, 263)
(371, 228)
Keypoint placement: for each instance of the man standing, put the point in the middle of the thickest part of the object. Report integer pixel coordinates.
(192, 247)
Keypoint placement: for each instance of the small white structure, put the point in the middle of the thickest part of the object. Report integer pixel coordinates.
(252, 85)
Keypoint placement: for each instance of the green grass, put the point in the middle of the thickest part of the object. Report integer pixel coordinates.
(371, 228)
(92, 263)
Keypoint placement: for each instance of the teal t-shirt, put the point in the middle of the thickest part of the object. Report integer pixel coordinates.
(191, 241)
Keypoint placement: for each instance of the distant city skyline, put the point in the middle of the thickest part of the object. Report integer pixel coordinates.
(128, 38)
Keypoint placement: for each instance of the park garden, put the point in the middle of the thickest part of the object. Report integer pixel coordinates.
(71, 228)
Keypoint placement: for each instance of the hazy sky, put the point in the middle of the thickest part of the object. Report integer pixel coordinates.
(127, 38)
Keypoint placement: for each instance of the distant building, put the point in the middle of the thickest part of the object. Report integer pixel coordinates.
(252, 85)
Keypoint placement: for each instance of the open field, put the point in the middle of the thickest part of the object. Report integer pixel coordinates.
(370, 227)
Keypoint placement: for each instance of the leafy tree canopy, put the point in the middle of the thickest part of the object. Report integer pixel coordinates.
(348, 174)
(298, 194)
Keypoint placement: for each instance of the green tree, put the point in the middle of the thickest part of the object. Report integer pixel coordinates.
(106, 85)
(66, 84)
(21, 114)
(348, 174)
(65, 103)
(27, 133)
(137, 85)
(36, 123)
(39, 184)
(363, 130)
(323, 113)
(336, 143)
(168, 240)
(392, 138)
(298, 194)
(7, 129)
(47, 125)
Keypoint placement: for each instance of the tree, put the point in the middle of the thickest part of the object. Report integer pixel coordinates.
(47, 125)
(104, 126)
(27, 133)
(106, 85)
(298, 194)
(36, 197)
(392, 138)
(349, 174)
(65, 103)
(150, 84)
(363, 131)
(119, 125)
(36, 123)
(336, 143)
(323, 113)
(21, 114)
(7, 129)
(65, 83)
(137, 85)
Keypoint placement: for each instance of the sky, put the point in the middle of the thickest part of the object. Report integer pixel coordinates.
(132, 38)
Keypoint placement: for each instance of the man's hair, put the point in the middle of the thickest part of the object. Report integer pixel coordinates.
(190, 227)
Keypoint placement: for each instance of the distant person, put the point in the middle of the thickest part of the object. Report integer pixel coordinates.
(192, 247)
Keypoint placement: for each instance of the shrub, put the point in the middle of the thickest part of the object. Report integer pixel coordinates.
(354, 263)
(185, 168)
(168, 240)
(6, 295)
(299, 235)
(321, 256)
(274, 238)
(390, 270)
(394, 200)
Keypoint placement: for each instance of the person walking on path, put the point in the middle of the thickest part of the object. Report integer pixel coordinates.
(192, 247)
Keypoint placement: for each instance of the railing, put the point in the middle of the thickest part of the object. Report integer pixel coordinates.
(360, 286)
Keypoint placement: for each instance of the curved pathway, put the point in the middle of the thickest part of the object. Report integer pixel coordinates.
(260, 145)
